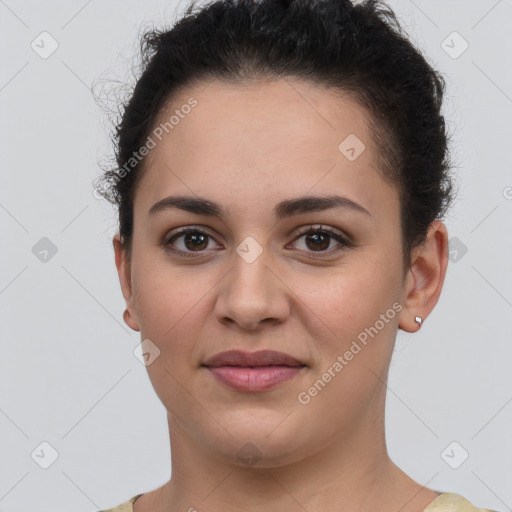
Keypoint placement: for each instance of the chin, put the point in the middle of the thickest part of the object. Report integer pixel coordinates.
(260, 440)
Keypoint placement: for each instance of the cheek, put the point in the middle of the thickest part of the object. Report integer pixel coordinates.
(172, 304)
(353, 297)
(168, 303)
(362, 311)
(360, 305)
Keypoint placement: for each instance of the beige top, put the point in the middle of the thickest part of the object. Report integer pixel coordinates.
(445, 502)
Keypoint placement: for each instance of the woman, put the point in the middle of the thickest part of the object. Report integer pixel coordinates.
(282, 172)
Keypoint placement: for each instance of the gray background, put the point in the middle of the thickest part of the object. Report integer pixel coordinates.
(68, 374)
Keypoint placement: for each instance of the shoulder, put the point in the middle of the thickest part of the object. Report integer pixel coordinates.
(452, 502)
(127, 506)
(445, 502)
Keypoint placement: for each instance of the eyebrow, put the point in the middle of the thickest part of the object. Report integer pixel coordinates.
(286, 208)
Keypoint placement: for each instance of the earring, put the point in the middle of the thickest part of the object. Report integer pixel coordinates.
(418, 320)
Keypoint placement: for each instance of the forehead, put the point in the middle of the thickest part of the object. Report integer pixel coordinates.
(281, 113)
(262, 140)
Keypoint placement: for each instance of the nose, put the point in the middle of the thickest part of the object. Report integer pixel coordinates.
(252, 295)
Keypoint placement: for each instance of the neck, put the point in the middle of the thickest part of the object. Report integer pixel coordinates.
(351, 472)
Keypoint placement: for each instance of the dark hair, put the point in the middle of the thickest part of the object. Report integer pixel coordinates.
(358, 49)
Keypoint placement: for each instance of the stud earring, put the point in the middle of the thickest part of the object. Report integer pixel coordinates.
(418, 320)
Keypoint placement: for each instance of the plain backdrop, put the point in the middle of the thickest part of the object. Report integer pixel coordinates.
(81, 427)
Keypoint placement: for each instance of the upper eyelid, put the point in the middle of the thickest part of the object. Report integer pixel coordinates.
(321, 227)
(185, 230)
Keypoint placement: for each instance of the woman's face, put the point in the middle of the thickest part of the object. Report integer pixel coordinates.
(249, 280)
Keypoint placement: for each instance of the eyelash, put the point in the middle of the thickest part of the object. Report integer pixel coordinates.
(345, 243)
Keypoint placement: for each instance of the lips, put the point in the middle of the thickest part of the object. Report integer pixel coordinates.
(252, 359)
(253, 371)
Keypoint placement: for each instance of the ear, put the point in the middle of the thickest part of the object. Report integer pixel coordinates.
(124, 271)
(425, 277)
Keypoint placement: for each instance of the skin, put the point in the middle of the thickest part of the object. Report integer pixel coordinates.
(248, 147)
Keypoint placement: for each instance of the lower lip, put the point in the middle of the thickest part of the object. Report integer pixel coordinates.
(254, 379)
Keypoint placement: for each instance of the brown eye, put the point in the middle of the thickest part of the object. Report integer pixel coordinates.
(188, 241)
(195, 241)
(318, 239)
